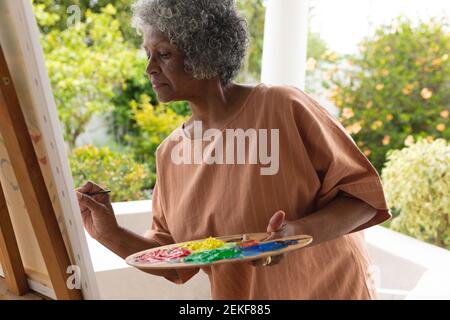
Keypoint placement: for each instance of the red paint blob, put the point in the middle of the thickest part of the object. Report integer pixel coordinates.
(161, 255)
(248, 243)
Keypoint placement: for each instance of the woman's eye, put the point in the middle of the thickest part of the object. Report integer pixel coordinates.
(164, 55)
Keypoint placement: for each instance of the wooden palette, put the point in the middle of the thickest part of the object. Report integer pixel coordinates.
(134, 260)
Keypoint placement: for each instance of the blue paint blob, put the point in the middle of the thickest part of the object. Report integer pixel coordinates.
(265, 247)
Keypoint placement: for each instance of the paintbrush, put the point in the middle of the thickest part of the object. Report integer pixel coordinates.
(97, 192)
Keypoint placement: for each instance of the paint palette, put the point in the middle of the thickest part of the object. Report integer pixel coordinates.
(200, 253)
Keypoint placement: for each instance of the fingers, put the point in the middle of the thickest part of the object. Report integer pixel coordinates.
(276, 222)
(85, 214)
(102, 198)
(89, 187)
(258, 263)
(90, 203)
(272, 236)
(274, 260)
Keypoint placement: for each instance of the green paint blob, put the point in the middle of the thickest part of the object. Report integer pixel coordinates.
(209, 256)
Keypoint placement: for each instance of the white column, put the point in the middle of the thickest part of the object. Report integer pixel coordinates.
(285, 42)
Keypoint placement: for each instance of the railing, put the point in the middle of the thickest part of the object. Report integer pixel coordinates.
(408, 268)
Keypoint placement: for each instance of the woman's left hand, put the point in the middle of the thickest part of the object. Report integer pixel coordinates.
(278, 227)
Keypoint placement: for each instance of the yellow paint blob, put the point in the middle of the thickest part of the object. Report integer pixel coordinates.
(208, 244)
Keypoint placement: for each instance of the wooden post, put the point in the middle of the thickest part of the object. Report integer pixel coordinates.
(16, 279)
(32, 186)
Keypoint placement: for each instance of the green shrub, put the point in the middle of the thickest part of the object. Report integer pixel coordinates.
(154, 123)
(417, 183)
(397, 88)
(116, 171)
(85, 64)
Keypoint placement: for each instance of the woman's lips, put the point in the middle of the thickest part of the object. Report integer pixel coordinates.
(156, 85)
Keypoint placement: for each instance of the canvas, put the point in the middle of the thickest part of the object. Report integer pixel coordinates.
(19, 39)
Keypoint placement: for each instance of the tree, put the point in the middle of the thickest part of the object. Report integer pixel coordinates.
(254, 13)
(320, 61)
(86, 62)
(63, 10)
(397, 88)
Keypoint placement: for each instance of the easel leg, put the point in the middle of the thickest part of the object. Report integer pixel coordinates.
(31, 183)
(15, 276)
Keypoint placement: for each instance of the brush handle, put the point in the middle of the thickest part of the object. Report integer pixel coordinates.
(98, 192)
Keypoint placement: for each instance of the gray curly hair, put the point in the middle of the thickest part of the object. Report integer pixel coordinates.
(211, 34)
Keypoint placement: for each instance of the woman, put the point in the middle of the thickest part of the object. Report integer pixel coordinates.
(322, 185)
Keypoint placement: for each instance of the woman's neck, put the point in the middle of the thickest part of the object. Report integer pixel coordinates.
(213, 104)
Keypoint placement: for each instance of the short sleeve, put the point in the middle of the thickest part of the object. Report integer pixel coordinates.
(339, 164)
(159, 232)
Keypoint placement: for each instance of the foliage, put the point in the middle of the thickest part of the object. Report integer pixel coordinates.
(61, 9)
(417, 184)
(155, 123)
(397, 88)
(115, 170)
(85, 63)
(254, 13)
(253, 10)
(320, 60)
(120, 119)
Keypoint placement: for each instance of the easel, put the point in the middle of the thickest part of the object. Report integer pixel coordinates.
(38, 205)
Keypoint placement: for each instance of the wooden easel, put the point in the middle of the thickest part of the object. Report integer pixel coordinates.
(31, 182)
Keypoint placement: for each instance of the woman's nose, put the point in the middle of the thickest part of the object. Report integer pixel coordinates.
(152, 67)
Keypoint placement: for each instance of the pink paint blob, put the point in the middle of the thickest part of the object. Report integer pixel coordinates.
(163, 255)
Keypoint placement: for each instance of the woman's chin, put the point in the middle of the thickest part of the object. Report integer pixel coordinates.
(163, 97)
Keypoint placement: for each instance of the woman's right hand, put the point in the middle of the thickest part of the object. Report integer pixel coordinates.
(97, 212)
(100, 222)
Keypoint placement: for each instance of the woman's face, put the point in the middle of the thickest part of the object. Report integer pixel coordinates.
(165, 68)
